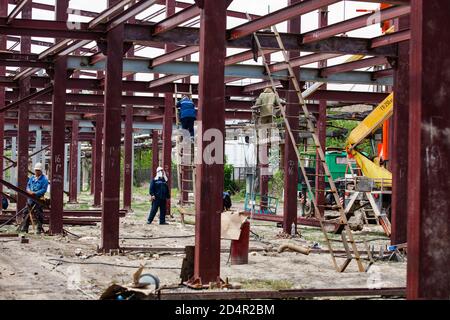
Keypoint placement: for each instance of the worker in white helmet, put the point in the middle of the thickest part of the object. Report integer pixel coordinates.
(159, 193)
(37, 186)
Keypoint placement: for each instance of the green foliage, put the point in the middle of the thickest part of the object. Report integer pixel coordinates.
(276, 184)
(339, 143)
(229, 184)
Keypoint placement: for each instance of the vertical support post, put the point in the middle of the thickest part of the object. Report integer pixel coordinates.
(3, 13)
(98, 160)
(400, 206)
(111, 136)
(38, 146)
(428, 275)
(168, 119)
(73, 159)
(23, 122)
(58, 154)
(13, 171)
(91, 189)
(290, 157)
(128, 159)
(66, 167)
(209, 174)
(155, 152)
(321, 128)
(128, 144)
(264, 154)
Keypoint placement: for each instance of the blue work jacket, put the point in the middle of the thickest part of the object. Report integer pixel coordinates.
(38, 185)
(186, 108)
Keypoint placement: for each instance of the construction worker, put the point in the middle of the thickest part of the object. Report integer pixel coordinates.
(266, 102)
(37, 185)
(187, 114)
(159, 193)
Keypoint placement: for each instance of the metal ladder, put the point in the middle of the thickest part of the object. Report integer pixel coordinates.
(185, 171)
(348, 242)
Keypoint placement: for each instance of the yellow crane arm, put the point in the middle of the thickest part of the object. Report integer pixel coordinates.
(371, 123)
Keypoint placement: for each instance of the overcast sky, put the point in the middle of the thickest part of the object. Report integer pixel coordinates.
(337, 12)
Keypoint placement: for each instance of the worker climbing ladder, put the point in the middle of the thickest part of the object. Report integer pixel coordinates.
(185, 149)
(348, 242)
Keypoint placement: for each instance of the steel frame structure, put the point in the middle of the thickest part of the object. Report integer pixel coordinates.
(37, 99)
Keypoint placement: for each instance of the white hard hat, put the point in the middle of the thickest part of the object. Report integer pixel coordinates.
(159, 169)
(38, 166)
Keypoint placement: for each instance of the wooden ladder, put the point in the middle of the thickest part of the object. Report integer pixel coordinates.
(347, 239)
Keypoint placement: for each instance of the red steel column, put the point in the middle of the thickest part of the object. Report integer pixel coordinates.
(23, 122)
(209, 182)
(92, 166)
(128, 158)
(155, 152)
(399, 150)
(98, 160)
(3, 13)
(321, 127)
(239, 248)
(73, 163)
(128, 144)
(428, 275)
(168, 118)
(264, 154)
(58, 133)
(111, 138)
(290, 157)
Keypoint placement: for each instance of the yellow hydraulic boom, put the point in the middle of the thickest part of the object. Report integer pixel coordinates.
(369, 125)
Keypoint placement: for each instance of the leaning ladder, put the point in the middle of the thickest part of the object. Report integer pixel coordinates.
(346, 233)
(185, 171)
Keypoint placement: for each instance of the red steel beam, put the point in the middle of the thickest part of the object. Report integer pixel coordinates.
(112, 139)
(290, 165)
(428, 275)
(129, 13)
(391, 38)
(355, 23)
(73, 163)
(399, 165)
(155, 152)
(321, 127)
(23, 121)
(128, 158)
(349, 66)
(58, 134)
(31, 97)
(3, 42)
(276, 17)
(168, 119)
(209, 182)
(173, 55)
(98, 159)
(17, 9)
(176, 19)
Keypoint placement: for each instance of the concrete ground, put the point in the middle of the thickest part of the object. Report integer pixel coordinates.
(70, 268)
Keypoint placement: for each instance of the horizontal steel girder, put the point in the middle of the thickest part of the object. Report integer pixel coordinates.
(233, 71)
(184, 36)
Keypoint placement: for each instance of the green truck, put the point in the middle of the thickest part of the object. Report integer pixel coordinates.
(337, 163)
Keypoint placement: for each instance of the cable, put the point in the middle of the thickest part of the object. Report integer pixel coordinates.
(113, 265)
(13, 217)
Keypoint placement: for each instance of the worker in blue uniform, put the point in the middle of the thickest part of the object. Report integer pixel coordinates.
(159, 193)
(187, 114)
(37, 185)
